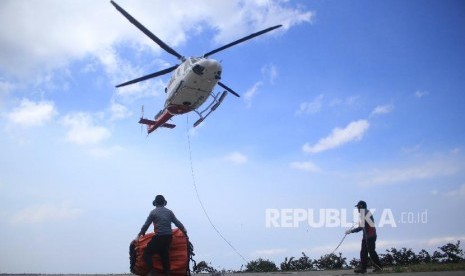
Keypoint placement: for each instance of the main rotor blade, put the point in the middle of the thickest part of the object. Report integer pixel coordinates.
(147, 32)
(153, 75)
(228, 89)
(240, 40)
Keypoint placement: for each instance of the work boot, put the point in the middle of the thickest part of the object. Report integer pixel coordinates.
(360, 270)
(378, 269)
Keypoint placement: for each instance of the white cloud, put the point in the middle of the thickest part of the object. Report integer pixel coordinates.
(31, 113)
(46, 212)
(251, 16)
(311, 107)
(427, 170)
(102, 152)
(119, 71)
(237, 158)
(412, 149)
(439, 241)
(118, 111)
(349, 101)
(5, 88)
(420, 94)
(82, 130)
(25, 46)
(270, 72)
(382, 109)
(269, 252)
(305, 166)
(338, 137)
(458, 192)
(251, 93)
(78, 28)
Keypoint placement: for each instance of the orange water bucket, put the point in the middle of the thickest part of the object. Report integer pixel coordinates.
(180, 254)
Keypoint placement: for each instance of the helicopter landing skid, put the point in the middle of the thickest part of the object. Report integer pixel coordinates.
(211, 107)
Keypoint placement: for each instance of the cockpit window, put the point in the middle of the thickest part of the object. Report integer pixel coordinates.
(193, 60)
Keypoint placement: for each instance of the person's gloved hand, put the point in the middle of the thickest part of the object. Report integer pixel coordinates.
(138, 237)
(348, 231)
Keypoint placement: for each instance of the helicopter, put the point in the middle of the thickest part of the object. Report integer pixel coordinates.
(191, 83)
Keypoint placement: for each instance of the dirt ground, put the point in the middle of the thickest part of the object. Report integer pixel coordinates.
(351, 272)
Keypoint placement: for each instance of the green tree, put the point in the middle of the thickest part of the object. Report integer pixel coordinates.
(355, 263)
(331, 261)
(424, 257)
(387, 259)
(292, 264)
(261, 265)
(452, 253)
(403, 256)
(203, 267)
(437, 257)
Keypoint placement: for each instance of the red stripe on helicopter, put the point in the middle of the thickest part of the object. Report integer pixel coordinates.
(175, 109)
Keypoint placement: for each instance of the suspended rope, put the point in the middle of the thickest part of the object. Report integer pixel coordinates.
(342, 240)
(198, 196)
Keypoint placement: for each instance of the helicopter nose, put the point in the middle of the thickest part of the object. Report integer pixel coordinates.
(210, 66)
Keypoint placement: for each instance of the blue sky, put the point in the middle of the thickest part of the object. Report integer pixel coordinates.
(349, 100)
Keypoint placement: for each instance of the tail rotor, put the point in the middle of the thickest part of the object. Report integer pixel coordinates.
(142, 117)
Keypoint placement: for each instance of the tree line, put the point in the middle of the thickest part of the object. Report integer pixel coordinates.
(449, 253)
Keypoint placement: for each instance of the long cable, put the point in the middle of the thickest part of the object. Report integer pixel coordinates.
(198, 196)
(343, 238)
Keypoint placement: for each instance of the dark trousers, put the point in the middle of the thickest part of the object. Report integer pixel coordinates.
(368, 247)
(158, 245)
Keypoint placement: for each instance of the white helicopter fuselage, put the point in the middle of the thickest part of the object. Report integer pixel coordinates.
(191, 84)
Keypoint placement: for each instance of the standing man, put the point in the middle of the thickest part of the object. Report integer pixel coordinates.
(161, 217)
(367, 224)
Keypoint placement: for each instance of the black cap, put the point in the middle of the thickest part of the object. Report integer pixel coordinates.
(361, 204)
